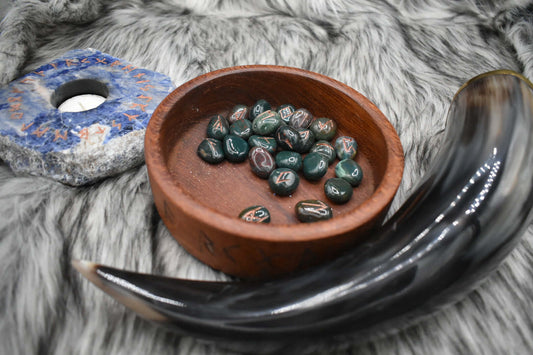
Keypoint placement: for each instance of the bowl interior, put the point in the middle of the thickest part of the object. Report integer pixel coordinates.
(226, 189)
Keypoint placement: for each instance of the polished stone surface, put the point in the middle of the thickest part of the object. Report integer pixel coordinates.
(241, 128)
(210, 150)
(324, 128)
(287, 137)
(259, 107)
(283, 181)
(313, 211)
(345, 147)
(350, 171)
(218, 127)
(238, 112)
(255, 214)
(315, 166)
(326, 149)
(269, 143)
(261, 162)
(290, 160)
(285, 111)
(235, 148)
(307, 139)
(266, 123)
(78, 148)
(301, 118)
(338, 190)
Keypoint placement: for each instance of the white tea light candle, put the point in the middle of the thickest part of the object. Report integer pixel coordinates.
(81, 103)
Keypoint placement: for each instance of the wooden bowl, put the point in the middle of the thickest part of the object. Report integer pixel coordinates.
(200, 203)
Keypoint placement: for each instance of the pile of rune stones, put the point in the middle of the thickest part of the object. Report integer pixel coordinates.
(274, 141)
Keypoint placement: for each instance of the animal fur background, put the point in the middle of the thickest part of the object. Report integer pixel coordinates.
(409, 57)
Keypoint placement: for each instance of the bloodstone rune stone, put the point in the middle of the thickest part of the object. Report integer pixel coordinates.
(78, 148)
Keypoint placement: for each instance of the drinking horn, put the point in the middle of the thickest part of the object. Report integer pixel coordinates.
(466, 215)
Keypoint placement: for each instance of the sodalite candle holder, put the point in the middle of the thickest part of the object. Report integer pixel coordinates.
(78, 148)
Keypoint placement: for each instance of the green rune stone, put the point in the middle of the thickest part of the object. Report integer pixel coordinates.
(313, 211)
(255, 214)
(210, 150)
(289, 160)
(259, 107)
(301, 118)
(261, 162)
(268, 143)
(350, 171)
(235, 148)
(326, 149)
(338, 190)
(238, 112)
(315, 165)
(283, 181)
(241, 128)
(287, 137)
(345, 147)
(307, 139)
(266, 123)
(217, 127)
(285, 112)
(324, 128)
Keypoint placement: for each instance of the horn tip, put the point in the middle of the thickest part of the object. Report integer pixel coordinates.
(87, 269)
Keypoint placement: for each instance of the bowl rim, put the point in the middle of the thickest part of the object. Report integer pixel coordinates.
(363, 214)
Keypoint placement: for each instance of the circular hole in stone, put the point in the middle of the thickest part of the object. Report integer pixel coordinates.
(79, 95)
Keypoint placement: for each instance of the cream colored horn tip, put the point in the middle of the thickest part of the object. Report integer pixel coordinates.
(86, 268)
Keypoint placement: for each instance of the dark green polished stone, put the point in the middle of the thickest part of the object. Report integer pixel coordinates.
(324, 128)
(261, 162)
(235, 148)
(217, 127)
(255, 214)
(315, 165)
(241, 128)
(283, 181)
(285, 111)
(350, 171)
(345, 147)
(326, 149)
(269, 143)
(210, 150)
(313, 211)
(290, 160)
(266, 123)
(338, 190)
(238, 112)
(259, 107)
(287, 137)
(307, 139)
(301, 118)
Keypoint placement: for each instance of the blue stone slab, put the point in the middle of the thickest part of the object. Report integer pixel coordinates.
(78, 148)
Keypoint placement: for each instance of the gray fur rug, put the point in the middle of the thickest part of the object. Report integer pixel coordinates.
(409, 57)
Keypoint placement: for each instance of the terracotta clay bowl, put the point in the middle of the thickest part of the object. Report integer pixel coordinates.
(200, 203)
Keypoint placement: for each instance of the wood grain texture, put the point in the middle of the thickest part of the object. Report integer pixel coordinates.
(200, 203)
